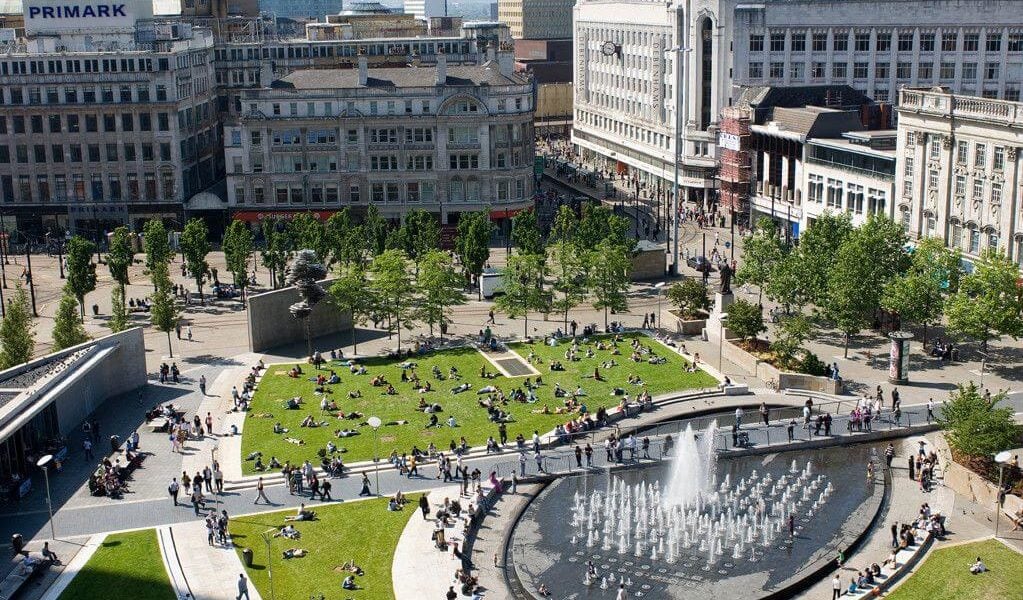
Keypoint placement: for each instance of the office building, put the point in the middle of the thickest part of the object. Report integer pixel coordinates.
(537, 19)
(444, 138)
(426, 9)
(301, 9)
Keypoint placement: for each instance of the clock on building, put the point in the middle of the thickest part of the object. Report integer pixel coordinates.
(609, 48)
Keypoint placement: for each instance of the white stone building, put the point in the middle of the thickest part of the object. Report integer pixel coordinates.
(959, 172)
(425, 9)
(854, 174)
(447, 139)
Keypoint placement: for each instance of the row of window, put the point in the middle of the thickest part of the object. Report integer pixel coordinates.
(459, 190)
(89, 123)
(382, 107)
(107, 94)
(935, 150)
(839, 195)
(882, 70)
(78, 153)
(97, 188)
(86, 65)
(328, 50)
(883, 41)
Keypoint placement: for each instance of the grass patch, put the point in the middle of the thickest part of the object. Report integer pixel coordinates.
(126, 565)
(946, 574)
(474, 425)
(363, 531)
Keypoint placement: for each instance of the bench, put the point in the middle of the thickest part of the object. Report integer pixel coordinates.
(158, 424)
(19, 576)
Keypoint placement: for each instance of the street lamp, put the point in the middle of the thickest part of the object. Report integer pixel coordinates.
(1001, 458)
(374, 422)
(44, 464)
(680, 138)
(268, 538)
(659, 286)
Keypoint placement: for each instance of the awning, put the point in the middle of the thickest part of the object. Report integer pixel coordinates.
(256, 216)
(504, 214)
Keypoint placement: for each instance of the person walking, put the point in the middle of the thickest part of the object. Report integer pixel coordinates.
(578, 456)
(196, 499)
(173, 489)
(365, 486)
(836, 587)
(792, 429)
(889, 454)
(218, 477)
(588, 451)
(792, 525)
(895, 534)
(189, 332)
(260, 493)
(490, 318)
(539, 461)
(912, 468)
(202, 384)
(930, 409)
(424, 505)
(522, 463)
(209, 423)
(87, 446)
(738, 416)
(243, 587)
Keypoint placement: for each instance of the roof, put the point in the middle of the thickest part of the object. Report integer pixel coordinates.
(850, 146)
(810, 121)
(457, 75)
(764, 97)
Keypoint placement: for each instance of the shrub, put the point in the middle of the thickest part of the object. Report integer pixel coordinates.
(974, 426)
(811, 365)
(689, 296)
(745, 319)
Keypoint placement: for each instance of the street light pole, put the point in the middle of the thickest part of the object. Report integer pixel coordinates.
(44, 464)
(680, 138)
(268, 537)
(721, 342)
(375, 422)
(28, 274)
(659, 287)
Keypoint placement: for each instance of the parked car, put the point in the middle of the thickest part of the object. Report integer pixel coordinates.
(700, 263)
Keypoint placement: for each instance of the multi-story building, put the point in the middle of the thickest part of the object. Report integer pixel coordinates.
(426, 9)
(446, 139)
(106, 126)
(301, 9)
(627, 67)
(537, 19)
(958, 174)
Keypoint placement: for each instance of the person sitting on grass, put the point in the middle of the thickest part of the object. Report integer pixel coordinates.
(302, 515)
(349, 583)
(433, 421)
(452, 422)
(278, 428)
(390, 391)
(294, 553)
(289, 532)
(557, 366)
(351, 567)
(462, 387)
(354, 394)
(333, 378)
(259, 464)
(274, 463)
(978, 567)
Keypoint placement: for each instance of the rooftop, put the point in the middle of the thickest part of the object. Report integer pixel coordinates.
(396, 77)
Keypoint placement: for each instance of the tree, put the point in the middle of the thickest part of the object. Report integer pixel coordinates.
(154, 242)
(195, 245)
(162, 312)
(17, 338)
(564, 227)
(67, 328)
(440, 288)
(81, 271)
(120, 256)
(816, 255)
(392, 287)
(526, 234)
(745, 319)
(347, 240)
(473, 243)
(376, 231)
(762, 251)
(788, 344)
(689, 296)
(523, 288)
(975, 427)
(351, 294)
(309, 232)
(598, 224)
(988, 302)
(784, 286)
(276, 250)
(609, 277)
(305, 273)
(237, 247)
(918, 295)
(118, 312)
(418, 235)
(569, 271)
(871, 256)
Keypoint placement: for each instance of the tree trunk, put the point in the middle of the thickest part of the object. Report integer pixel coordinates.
(398, 328)
(81, 309)
(525, 324)
(847, 336)
(605, 313)
(170, 350)
(308, 338)
(202, 299)
(355, 341)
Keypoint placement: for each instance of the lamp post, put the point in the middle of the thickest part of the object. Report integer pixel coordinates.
(680, 137)
(1001, 458)
(659, 287)
(268, 537)
(44, 464)
(374, 422)
(28, 275)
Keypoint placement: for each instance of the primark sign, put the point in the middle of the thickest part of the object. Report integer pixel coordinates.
(83, 16)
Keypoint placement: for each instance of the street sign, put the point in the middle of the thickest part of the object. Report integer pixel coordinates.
(538, 165)
(728, 245)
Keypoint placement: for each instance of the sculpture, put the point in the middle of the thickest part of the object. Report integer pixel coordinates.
(726, 278)
(303, 273)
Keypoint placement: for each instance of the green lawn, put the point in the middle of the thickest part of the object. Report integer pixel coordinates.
(126, 565)
(946, 574)
(276, 387)
(363, 531)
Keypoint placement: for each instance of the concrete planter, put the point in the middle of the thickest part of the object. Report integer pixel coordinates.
(685, 326)
(971, 485)
(770, 374)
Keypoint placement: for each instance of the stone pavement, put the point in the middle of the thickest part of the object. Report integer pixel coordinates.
(211, 571)
(417, 554)
(488, 549)
(73, 554)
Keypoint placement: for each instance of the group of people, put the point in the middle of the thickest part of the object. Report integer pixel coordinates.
(171, 373)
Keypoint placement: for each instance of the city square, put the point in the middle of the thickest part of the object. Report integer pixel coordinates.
(592, 299)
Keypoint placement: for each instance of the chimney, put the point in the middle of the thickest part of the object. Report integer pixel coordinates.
(442, 69)
(363, 70)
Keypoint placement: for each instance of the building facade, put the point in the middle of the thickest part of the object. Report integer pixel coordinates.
(446, 139)
(99, 132)
(426, 9)
(958, 175)
(537, 19)
(627, 51)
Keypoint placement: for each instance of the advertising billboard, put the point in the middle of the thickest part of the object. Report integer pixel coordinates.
(73, 16)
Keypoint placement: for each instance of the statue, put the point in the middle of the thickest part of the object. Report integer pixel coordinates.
(303, 273)
(726, 278)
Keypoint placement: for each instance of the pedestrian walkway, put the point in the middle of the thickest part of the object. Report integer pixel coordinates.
(72, 567)
(419, 569)
(211, 571)
(171, 562)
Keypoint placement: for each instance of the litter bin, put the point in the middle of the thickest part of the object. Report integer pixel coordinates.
(247, 557)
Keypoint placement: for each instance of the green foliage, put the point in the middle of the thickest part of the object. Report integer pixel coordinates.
(120, 256)
(569, 271)
(67, 328)
(163, 313)
(347, 240)
(375, 230)
(689, 296)
(392, 287)
(351, 294)
(526, 234)
(440, 288)
(81, 271)
(195, 245)
(565, 226)
(276, 249)
(817, 248)
(129, 563)
(523, 288)
(745, 319)
(118, 311)
(609, 280)
(237, 247)
(976, 427)
(788, 344)
(473, 242)
(155, 244)
(918, 295)
(600, 224)
(987, 303)
(17, 338)
(418, 235)
(762, 251)
(812, 365)
(784, 286)
(308, 233)
(869, 258)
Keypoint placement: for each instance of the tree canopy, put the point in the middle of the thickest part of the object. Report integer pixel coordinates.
(195, 246)
(988, 303)
(81, 271)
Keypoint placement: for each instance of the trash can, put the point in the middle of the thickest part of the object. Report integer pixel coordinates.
(95, 310)
(247, 557)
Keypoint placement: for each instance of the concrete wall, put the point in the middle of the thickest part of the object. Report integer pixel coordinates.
(271, 324)
(971, 485)
(769, 373)
(672, 322)
(648, 264)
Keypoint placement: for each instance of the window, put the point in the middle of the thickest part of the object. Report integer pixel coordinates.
(960, 185)
(353, 136)
(903, 70)
(111, 151)
(974, 241)
(841, 41)
(818, 70)
(906, 41)
(39, 153)
(969, 71)
(875, 201)
(980, 156)
(383, 163)
(971, 42)
(756, 70)
(962, 152)
(820, 42)
(911, 139)
(756, 44)
(463, 134)
(991, 71)
(999, 158)
(904, 219)
(935, 148)
(418, 135)
(956, 236)
(799, 41)
(882, 70)
(949, 41)
(993, 42)
(816, 188)
(777, 42)
(838, 70)
(925, 72)
(354, 195)
(417, 162)
(860, 70)
(466, 106)
(1016, 42)
(883, 43)
(978, 190)
(992, 240)
(383, 136)
(834, 194)
(796, 70)
(996, 194)
(854, 198)
(463, 161)
(948, 70)
(862, 42)
(777, 70)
